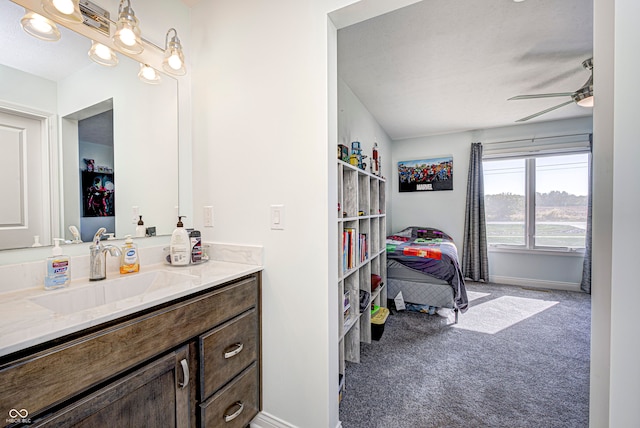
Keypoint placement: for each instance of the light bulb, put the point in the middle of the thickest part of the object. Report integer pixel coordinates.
(175, 62)
(64, 6)
(127, 37)
(40, 27)
(38, 22)
(102, 51)
(148, 73)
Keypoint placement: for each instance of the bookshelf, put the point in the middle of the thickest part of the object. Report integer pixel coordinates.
(361, 237)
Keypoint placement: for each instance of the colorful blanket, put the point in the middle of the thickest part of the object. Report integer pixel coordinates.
(430, 251)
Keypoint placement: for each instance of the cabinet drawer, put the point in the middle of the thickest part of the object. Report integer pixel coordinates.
(226, 350)
(235, 405)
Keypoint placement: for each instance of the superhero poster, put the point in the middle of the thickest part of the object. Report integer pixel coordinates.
(98, 194)
(426, 174)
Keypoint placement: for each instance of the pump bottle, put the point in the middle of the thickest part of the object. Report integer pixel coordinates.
(141, 231)
(180, 247)
(58, 269)
(130, 259)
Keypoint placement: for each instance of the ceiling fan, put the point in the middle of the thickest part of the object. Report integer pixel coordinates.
(583, 96)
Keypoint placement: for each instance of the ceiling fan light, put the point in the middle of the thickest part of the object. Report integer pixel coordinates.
(584, 96)
(66, 10)
(40, 27)
(586, 102)
(102, 54)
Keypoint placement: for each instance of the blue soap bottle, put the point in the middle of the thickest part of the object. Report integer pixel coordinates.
(58, 269)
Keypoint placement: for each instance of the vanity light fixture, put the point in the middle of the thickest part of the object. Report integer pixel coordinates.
(173, 62)
(102, 54)
(66, 10)
(127, 36)
(148, 74)
(40, 27)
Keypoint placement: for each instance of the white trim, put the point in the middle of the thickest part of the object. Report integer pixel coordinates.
(540, 251)
(265, 420)
(535, 283)
(562, 144)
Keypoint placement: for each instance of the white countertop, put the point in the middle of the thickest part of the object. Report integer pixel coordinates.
(26, 323)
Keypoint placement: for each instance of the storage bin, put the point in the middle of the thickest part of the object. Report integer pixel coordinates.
(377, 323)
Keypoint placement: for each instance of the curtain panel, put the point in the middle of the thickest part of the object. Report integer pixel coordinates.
(475, 259)
(585, 284)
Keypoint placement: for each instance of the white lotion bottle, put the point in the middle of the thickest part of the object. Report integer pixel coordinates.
(180, 247)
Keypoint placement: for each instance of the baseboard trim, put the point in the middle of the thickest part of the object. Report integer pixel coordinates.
(536, 283)
(265, 420)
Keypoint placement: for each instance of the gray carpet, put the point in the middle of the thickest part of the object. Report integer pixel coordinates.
(530, 369)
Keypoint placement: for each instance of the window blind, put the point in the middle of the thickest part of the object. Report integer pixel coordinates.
(541, 146)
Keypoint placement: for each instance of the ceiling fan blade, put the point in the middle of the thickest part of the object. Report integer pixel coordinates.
(528, 97)
(558, 78)
(540, 113)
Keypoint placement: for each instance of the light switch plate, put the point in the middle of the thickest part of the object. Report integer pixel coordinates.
(208, 216)
(277, 217)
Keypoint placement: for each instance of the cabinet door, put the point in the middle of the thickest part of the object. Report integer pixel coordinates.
(156, 395)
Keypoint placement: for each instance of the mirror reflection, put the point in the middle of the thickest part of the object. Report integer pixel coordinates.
(86, 146)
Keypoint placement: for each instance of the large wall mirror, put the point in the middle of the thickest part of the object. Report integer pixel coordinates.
(98, 128)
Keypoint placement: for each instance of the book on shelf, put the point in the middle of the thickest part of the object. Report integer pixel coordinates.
(347, 315)
(363, 249)
(348, 248)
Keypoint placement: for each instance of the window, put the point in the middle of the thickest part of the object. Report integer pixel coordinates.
(537, 202)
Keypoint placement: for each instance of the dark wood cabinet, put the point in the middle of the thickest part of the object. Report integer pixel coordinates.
(168, 365)
(154, 395)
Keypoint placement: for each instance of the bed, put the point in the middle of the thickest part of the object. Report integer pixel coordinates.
(422, 263)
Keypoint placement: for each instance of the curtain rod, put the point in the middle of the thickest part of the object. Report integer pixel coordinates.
(540, 138)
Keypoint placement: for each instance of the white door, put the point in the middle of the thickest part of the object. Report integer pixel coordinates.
(24, 210)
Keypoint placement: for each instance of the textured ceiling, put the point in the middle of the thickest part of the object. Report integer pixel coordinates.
(441, 66)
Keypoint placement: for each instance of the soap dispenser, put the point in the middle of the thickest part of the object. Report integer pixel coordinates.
(180, 247)
(129, 259)
(58, 272)
(141, 231)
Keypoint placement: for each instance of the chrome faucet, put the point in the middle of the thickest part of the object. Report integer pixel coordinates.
(98, 256)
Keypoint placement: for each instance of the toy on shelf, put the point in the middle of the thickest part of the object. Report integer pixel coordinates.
(375, 160)
(343, 152)
(357, 157)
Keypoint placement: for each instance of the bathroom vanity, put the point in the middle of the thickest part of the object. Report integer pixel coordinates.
(184, 352)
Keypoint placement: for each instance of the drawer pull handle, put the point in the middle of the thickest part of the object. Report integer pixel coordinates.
(238, 348)
(230, 417)
(185, 374)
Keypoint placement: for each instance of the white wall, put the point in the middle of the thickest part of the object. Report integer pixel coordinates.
(446, 209)
(603, 151)
(625, 340)
(355, 123)
(27, 90)
(260, 137)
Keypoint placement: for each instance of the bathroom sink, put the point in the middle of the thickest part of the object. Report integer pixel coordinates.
(80, 297)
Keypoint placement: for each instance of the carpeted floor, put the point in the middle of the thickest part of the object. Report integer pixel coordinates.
(518, 358)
